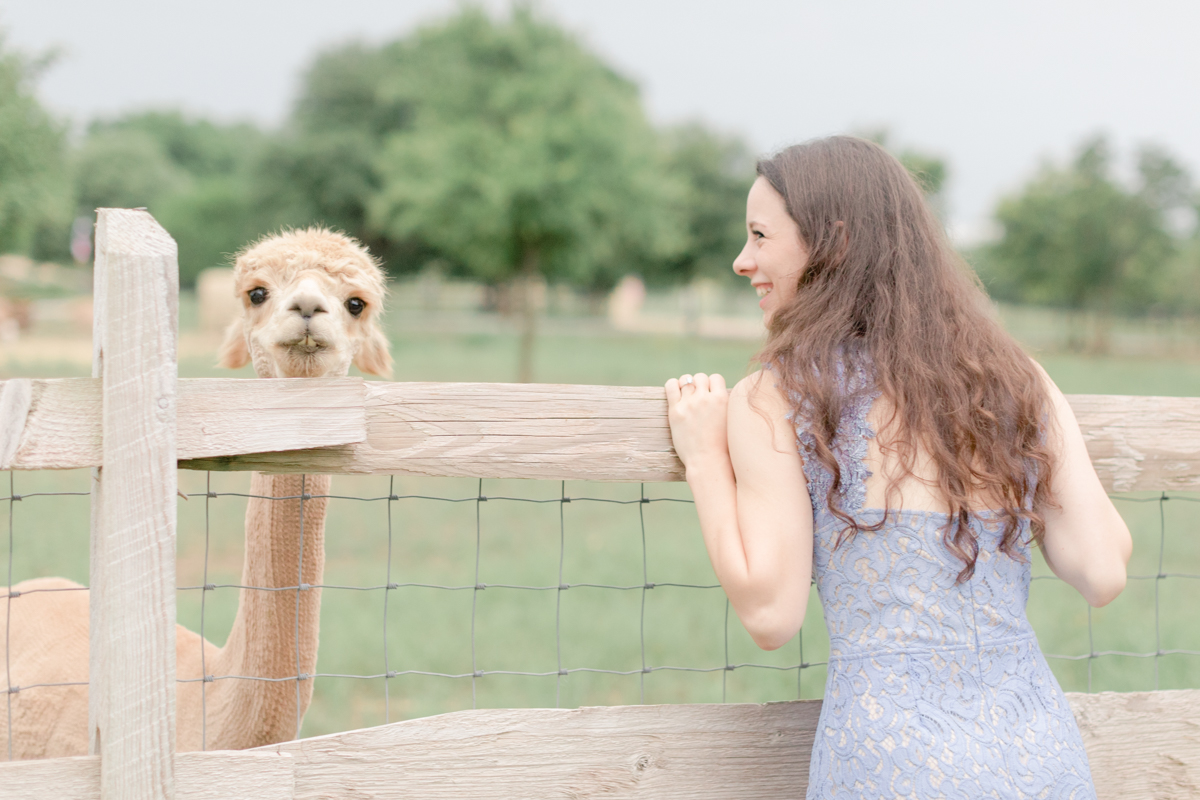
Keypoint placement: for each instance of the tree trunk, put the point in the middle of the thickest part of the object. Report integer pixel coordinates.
(526, 285)
(1100, 338)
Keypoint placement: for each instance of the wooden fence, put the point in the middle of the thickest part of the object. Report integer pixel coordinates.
(134, 422)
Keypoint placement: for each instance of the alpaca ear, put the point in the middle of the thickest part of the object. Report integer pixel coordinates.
(373, 355)
(234, 353)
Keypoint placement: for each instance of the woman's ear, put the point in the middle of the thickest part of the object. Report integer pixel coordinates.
(234, 353)
(843, 239)
(373, 353)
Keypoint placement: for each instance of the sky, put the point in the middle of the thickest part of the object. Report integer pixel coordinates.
(994, 88)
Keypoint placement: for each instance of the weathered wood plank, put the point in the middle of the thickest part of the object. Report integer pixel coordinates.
(1141, 745)
(62, 427)
(221, 416)
(1142, 443)
(15, 398)
(131, 708)
(341, 425)
(497, 430)
(216, 417)
(620, 434)
(217, 775)
(662, 752)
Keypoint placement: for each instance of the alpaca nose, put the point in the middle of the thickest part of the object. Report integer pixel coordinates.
(308, 303)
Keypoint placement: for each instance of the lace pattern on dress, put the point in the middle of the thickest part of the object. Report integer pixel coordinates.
(850, 445)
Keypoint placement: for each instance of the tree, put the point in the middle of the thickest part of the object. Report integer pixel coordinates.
(1076, 238)
(930, 171)
(197, 146)
(125, 169)
(525, 158)
(1168, 188)
(197, 177)
(325, 169)
(35, 199)
(324, 177)
(715, 173)
(354, 88)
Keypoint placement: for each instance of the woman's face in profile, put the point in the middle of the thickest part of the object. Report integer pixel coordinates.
(774, 255)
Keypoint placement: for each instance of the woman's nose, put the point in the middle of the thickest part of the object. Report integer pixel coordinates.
(744, 264)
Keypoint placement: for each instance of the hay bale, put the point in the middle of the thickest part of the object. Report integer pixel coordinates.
(219, 304)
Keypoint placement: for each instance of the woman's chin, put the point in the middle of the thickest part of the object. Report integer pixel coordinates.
(768, 309)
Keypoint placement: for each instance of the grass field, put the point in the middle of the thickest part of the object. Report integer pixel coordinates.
(521, 543)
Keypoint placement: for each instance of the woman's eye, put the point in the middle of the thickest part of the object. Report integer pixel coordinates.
(756, 234)
(355, 306)
(258, 295)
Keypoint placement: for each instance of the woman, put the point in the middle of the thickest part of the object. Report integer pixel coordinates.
(900, 448)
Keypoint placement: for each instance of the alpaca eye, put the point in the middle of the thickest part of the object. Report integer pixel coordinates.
(355, 306)
(258, 296)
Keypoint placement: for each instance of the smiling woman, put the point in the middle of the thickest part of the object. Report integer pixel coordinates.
(774, 255)
(901, 450)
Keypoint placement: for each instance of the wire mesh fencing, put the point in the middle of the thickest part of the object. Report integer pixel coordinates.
(44, 543)
(503, 598)
(522, 593)
(446, 594)
(1163, 585)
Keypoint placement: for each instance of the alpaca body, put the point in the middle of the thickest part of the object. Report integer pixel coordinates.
(49, 643)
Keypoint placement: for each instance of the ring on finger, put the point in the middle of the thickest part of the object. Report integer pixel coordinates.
(686, 380)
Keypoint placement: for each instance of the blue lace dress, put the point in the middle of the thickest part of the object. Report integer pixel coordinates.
(935, 689)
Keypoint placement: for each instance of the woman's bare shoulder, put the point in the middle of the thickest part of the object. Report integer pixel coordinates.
(761, 386)
(758, 405)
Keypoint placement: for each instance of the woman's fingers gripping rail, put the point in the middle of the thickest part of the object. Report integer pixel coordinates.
(697, 411)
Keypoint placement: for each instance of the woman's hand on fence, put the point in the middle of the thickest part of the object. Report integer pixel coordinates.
(698, 412)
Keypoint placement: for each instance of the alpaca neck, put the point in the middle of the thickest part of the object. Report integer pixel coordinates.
(275, 633)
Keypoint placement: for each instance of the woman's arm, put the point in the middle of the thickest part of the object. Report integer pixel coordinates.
(747, 479)
(1087, 544)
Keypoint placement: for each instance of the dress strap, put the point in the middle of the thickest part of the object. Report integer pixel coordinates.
(850, 444)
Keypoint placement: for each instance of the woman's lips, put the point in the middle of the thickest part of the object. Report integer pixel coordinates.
(764, 291)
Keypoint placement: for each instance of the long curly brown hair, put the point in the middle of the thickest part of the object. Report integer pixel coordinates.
(883, 287)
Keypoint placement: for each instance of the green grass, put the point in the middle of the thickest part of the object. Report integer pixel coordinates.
(434, 542)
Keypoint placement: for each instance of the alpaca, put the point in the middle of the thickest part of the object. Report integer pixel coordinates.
(311, 301)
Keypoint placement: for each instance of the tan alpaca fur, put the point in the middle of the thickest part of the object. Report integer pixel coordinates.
(302, 329)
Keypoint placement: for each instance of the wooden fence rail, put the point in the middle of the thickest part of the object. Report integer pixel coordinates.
(135, 422)
(1141, 745)
(492, 430)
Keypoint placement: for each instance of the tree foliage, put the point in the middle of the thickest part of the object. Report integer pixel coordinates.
(524, 153)
(715, 172)
(35, 189)
(1076, 237)
(125, 169)
(197, 177)
(513, 151)
(324, 168)
(929, 170)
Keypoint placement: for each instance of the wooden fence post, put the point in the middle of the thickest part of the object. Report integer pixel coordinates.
(131, 705)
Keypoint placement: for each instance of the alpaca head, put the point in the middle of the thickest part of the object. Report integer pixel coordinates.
(311, 301)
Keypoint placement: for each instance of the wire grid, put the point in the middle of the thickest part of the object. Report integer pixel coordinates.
(476, 673)
(10, 689)
(475, 588)
(1158, 577)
